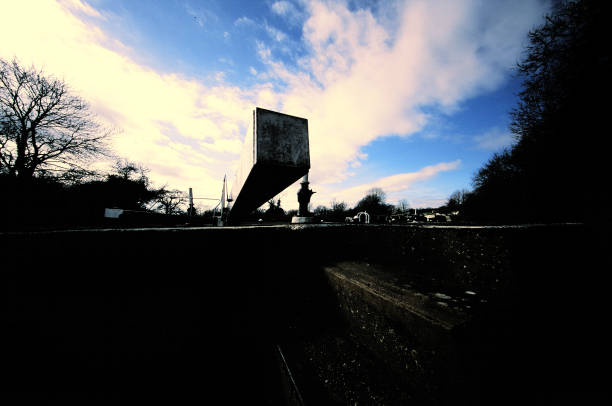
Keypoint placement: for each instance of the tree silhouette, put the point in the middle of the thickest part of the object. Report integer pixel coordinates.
(274, 212)
(170, 201)
(402, 206)
(121, 189)
(457, 199)
(374, 203)
(52, 202)
(43, 127)
(556, 170)
(338, 211)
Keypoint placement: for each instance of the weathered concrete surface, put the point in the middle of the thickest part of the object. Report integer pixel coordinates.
(471, 315)
(413, 330)
(175, 313)
(274, 156)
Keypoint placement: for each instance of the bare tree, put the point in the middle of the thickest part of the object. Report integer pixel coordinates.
(43, 127)
(457, 199)
(402, 206)
(170, 201)
(125, 168)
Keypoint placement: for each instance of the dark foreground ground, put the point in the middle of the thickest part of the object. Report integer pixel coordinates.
(359, 314)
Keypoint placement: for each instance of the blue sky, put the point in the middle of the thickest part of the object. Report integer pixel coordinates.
(410, 96)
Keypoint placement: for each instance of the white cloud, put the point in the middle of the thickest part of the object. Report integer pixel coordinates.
(494, 139)
(282, 7)
(203, 125)
(80, 7)
(396, 186)
(359, 81)
(275, 33)
(244, 21)
(289, 11)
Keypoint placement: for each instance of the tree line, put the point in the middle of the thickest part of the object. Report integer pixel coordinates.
(556, 171)
(52, 202)
(374, 203)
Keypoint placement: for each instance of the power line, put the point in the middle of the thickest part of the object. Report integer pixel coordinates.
(199, 198)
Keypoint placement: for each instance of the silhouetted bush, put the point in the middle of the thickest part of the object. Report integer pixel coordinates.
(47, 202)
(374, 204)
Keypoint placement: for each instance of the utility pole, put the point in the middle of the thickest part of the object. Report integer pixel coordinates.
(190, 202)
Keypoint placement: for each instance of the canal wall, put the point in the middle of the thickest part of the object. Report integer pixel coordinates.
(362, 313)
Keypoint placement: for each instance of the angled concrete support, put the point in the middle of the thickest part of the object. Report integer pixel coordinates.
(275, 155)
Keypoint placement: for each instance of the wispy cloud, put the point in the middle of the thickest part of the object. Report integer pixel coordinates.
(80, 7)
(274, 33)
(358, 80)
(494, 139)
(361, 81)
(244, 21)
(167, 120)
(396, 186)
(287, 10)
(282, 7)
(201, 16)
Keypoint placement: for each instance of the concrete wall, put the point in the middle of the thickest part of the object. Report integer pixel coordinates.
(367, 314)
(275, 155)
(281, 139)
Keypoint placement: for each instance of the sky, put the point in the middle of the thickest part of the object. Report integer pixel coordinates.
(411, 96)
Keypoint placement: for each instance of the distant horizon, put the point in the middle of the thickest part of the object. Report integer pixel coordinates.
(409, 96)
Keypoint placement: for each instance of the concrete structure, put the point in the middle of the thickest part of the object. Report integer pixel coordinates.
(112, 213)
(275, 155)
(421, 315)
